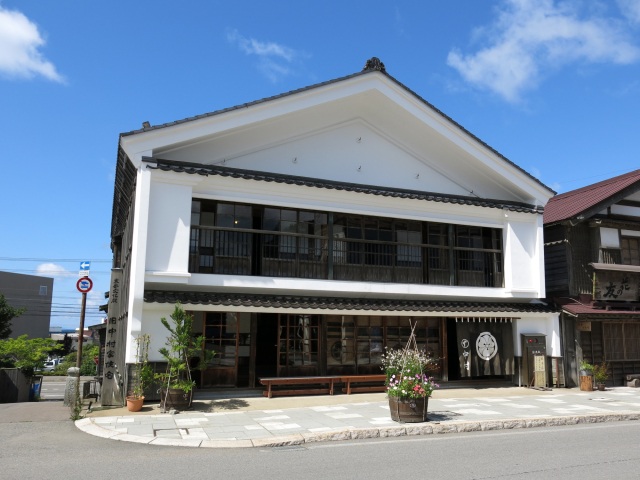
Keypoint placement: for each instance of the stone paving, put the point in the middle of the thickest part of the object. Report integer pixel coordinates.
(322, 419)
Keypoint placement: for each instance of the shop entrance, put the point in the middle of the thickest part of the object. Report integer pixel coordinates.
(480, 348)
(266, 346)
(452, 351)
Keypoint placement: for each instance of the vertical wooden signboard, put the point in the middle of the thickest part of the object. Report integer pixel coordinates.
(111, 391)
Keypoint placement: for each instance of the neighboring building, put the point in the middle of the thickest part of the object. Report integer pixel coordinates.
(303, 231)
(71, 335)
(34, 293)
(592, 258)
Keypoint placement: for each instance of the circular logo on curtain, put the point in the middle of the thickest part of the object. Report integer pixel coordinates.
(486, 346)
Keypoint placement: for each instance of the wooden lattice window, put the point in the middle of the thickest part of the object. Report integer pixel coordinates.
(621, 340)
(630, 250)
(220, 331)
(298, 340)
(369, 340)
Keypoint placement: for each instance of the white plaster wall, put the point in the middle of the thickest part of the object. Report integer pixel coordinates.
(168, 231)
(326, 199)
(169, 223)
(625, 210)
(353, 153)
(152, 326)
(362, 119)
(139, 244)
(301, 286)
(548, 325)
(522, 256)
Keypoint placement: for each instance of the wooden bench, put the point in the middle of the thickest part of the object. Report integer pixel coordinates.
(329, 381)
(372, 383)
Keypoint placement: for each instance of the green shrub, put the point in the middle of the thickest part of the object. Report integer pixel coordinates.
(87, 366)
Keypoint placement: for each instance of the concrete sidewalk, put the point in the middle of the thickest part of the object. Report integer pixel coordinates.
(45, 411)
(244, 419)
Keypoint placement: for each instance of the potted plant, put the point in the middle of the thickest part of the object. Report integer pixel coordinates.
(181, 348)
(586, 376)
(586, 369)
(141, 374)
(600, 374)
(408, 383)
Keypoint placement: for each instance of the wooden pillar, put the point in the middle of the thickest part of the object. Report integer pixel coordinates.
(445, 349)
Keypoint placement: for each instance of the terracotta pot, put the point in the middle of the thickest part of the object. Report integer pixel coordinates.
(175, 398)
(408, 410)
(601, 387)
(134, 404)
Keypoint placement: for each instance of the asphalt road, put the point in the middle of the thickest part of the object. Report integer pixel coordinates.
(57, 449)
(52, 390)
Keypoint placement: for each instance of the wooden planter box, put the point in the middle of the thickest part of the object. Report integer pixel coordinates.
(410, 410)
(176, 398)
(586, 383)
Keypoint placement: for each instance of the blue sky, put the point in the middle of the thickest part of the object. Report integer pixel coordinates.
(552, 85)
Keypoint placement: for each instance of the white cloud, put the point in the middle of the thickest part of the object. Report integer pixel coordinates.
(20, 42)
(535, 171)
(531, 37)
(52, 270)
(556, 187)
(630, 9)
(274, 59)
(399, 22)
(262, 49)
(273, 70)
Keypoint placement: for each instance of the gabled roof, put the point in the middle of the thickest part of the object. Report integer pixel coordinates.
(373, 65)
(528, 194)
(585, 202)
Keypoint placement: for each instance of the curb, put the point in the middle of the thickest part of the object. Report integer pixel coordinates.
(88, 426)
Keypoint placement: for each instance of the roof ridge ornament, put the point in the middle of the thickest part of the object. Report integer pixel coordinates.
(374, 63)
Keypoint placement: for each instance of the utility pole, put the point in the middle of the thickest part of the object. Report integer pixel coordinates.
(84, 286)
(81, 332)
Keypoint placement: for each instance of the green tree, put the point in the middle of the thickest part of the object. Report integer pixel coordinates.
(181, 348)
(25, 353)
(7, 313)
(87, 364)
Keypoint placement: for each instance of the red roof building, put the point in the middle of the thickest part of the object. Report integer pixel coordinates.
(592, 271)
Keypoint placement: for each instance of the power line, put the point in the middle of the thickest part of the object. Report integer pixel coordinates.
(63, 307)
(61, 260)
(53, 274)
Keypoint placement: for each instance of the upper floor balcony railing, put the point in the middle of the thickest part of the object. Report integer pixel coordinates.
(275, 254)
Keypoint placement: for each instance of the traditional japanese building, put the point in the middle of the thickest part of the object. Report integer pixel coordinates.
(592, 258)
(304, 230)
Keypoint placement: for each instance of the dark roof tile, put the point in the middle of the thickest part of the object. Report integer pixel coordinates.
(340, 303)
(199, 169)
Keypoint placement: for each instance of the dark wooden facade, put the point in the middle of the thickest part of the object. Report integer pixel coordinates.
(249, 346)
(592, 272)
(568, 252)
